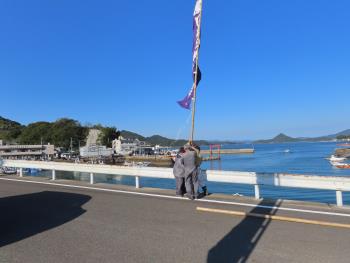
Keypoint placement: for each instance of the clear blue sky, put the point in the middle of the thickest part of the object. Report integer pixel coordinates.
(267, 66)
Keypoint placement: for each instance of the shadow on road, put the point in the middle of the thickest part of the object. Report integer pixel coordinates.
(23, 216)
(239, 243)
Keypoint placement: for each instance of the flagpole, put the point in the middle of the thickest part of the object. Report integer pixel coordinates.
(195, 80)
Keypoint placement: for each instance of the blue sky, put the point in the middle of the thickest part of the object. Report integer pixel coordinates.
(267, 66)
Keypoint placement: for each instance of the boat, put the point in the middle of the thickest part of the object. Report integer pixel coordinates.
(344, 144)
(136, 164)
(142, 164)
(8, 170)
(286, 151)
(334, 158)
(343, 165)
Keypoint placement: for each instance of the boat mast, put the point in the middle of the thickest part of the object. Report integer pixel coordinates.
(195, 79)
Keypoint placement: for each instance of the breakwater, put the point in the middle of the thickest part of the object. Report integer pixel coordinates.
(228, 151)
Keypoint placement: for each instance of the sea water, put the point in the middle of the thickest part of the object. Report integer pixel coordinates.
(293, 158)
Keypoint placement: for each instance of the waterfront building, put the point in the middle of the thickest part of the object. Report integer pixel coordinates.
(27, 152)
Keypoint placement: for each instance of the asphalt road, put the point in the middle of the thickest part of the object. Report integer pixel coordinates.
(44, 223)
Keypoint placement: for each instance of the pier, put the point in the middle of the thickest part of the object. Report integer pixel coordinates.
(211, 158)
(229, 151)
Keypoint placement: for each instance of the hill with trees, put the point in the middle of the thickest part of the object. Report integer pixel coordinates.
(159, 140)
(281, 138)
(58, 133)
(9, 130)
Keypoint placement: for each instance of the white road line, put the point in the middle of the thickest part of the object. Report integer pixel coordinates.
(184, 199)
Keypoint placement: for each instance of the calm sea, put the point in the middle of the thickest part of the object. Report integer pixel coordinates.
(295, 158)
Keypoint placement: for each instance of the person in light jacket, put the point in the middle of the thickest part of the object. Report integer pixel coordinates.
(201, 176)
(191, 176)
(179, 172)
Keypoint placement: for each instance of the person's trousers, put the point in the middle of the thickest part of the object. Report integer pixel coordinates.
(180, 185)
(191, 183)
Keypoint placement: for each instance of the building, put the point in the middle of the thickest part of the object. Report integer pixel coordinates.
(129, 146)
(92, 148)
(95, 151)
(27, 152)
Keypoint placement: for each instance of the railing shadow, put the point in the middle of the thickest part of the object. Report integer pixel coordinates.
(240, 242)
(26, 215)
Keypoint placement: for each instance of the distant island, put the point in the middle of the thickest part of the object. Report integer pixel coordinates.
(282, 138)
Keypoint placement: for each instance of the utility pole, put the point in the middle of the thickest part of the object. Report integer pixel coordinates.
(71, 144)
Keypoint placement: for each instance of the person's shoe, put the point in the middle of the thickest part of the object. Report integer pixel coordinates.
(190, 197)
(200, 195)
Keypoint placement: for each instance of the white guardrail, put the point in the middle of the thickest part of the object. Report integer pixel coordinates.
(338, 184)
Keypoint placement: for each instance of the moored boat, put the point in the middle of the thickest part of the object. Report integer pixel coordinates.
(343, 165)
(8, 170)
(335, 158)
(344, 144)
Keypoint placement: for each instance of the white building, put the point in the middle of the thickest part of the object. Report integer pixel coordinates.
(92, 149)
(128, 146)
(95, 151)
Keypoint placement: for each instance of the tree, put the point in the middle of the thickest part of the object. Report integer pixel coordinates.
(63, 130)
(342, 137)
(108, 134)
(9, 130)
(36, 132)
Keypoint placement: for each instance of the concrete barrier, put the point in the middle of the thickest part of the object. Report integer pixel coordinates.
(337, 184)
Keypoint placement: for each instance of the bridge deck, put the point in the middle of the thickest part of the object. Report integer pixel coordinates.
(56, 223)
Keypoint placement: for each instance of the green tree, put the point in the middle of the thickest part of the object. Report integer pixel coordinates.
(63, 130)
(36, 132)
(108, 134)
(342, 137)
(9, 130)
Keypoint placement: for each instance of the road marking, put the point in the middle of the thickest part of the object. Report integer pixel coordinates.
(181, 198)
(273, 217)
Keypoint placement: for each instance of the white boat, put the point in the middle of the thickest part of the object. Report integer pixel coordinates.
(136, 164)
(334, 158)
(9, 170)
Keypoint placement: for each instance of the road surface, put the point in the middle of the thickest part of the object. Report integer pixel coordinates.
(54, 223)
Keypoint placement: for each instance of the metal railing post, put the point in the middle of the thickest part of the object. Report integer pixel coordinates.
(137, 181)
(91, 178)
(53, 175)
(339, 196)
(257, 191)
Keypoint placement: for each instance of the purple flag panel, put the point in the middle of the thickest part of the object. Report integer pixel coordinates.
(186, 102)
